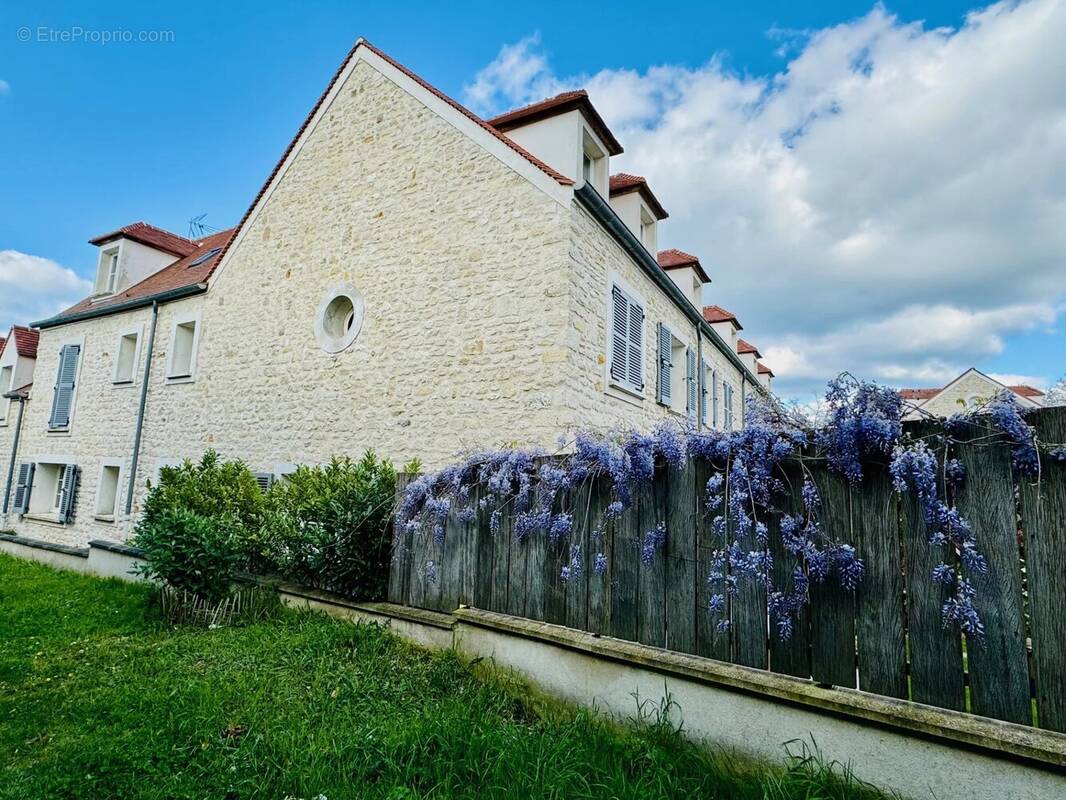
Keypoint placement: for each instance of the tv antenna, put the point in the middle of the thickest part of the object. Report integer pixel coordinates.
(197, 227)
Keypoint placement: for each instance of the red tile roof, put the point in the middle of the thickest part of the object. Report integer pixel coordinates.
(919, 394)
(560, 104)
(151, 236)
(173, 276)
(719, 314)
(624, 183)
(2, 340)
(747, 347)
(25, 340)
(1026, 391)
(676, 259)
(765, 370)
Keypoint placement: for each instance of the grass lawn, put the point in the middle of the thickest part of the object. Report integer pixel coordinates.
(98, 699)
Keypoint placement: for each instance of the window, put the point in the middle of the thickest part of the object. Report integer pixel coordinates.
(181, 364)
(586, 167)
(107, 491)
(107, 271)
(627, 341)
(5, 387)
(48, 490)
(714, 398)
(677, 374)
(126, 357)
(647, 230)
(705, 376)
(214, 251)
(593, 163)
(339, 318)
(727, 391)
(63, 393)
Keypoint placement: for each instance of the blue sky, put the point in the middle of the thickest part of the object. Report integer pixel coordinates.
(97, 135)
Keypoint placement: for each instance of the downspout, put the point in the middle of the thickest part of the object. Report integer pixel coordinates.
(700, 379)
(14, 452)
(140, 410)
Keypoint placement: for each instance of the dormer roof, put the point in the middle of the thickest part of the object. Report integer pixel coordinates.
(719, 314)
(747, 347)
(678, 259)
(150, 236)
(624, 183)
(24, 341)
(560, 104)
(765, 370)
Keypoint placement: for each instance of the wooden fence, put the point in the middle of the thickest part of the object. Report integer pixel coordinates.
(887, 637)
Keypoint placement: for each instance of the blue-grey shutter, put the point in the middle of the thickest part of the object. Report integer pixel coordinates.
(70, 492)
(265, 480)
(23, 487)
(704, 369)
(691, 389)
(666, 345)
(714, 398)
(63, 396)
(727, 390)
(636, 346)
(619, 336)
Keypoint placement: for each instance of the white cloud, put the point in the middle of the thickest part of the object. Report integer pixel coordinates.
(890, 202)
(5, 87)
(32, 288)
(1036, 381)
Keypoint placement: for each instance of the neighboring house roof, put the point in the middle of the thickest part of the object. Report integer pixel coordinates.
(624, 183)
(719, 314)
(676, 259)
(922, 395)
(1026, 391)
(765, 370)
(151, 236)
(560, 104)
(748, 347)
(25, 340)
(2, 340)
(174, 276)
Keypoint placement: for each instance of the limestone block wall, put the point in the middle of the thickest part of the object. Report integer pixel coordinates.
(597, 259)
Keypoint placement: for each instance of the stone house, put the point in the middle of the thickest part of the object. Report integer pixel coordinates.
(966, 392)
(410, 278)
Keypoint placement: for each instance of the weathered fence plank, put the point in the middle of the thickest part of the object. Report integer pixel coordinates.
(1043, 508)
(651, 592)
(499, 599)
(791, 656)
(998, 668)
(600, 533)
(833, 608)
(625, 572)
(879, 625)
(709, 641)
(682, 501)
(485, 556)
(400, 565)
(557, 556)
(577, 589)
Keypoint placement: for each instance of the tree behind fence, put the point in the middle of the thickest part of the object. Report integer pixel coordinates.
(887, 637)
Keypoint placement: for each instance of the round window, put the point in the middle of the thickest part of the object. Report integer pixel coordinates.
(339, 318)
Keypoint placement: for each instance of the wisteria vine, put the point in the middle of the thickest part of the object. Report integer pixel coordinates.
(743, 498)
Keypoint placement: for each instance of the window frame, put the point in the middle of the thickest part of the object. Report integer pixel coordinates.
(183, 320)
(106, 464)
(104, 287)
(625, 390)
(5, 405)
(51, 467)
(137, 331)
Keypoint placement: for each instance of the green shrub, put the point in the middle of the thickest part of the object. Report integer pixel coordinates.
(329, 527)
(221, 490)
(190, 553)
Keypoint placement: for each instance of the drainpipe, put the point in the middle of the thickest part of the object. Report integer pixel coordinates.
(14, 448)
(700, 378)
(140, 410)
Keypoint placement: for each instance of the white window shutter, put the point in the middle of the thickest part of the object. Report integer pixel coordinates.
(666, 345)
(63, 397)
(692, 390)
(619, 336)
(23, 487)
(70, 492)
(636, 346)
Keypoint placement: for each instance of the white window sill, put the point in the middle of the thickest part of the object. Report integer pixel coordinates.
(121, 384)
(181, 379)
(104, 517)
(51, 519)
(625, 393)
(59, 431)
(101, 297)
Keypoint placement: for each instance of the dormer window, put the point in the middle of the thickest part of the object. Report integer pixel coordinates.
(593, 163)
(647, 230)
(107, 271)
